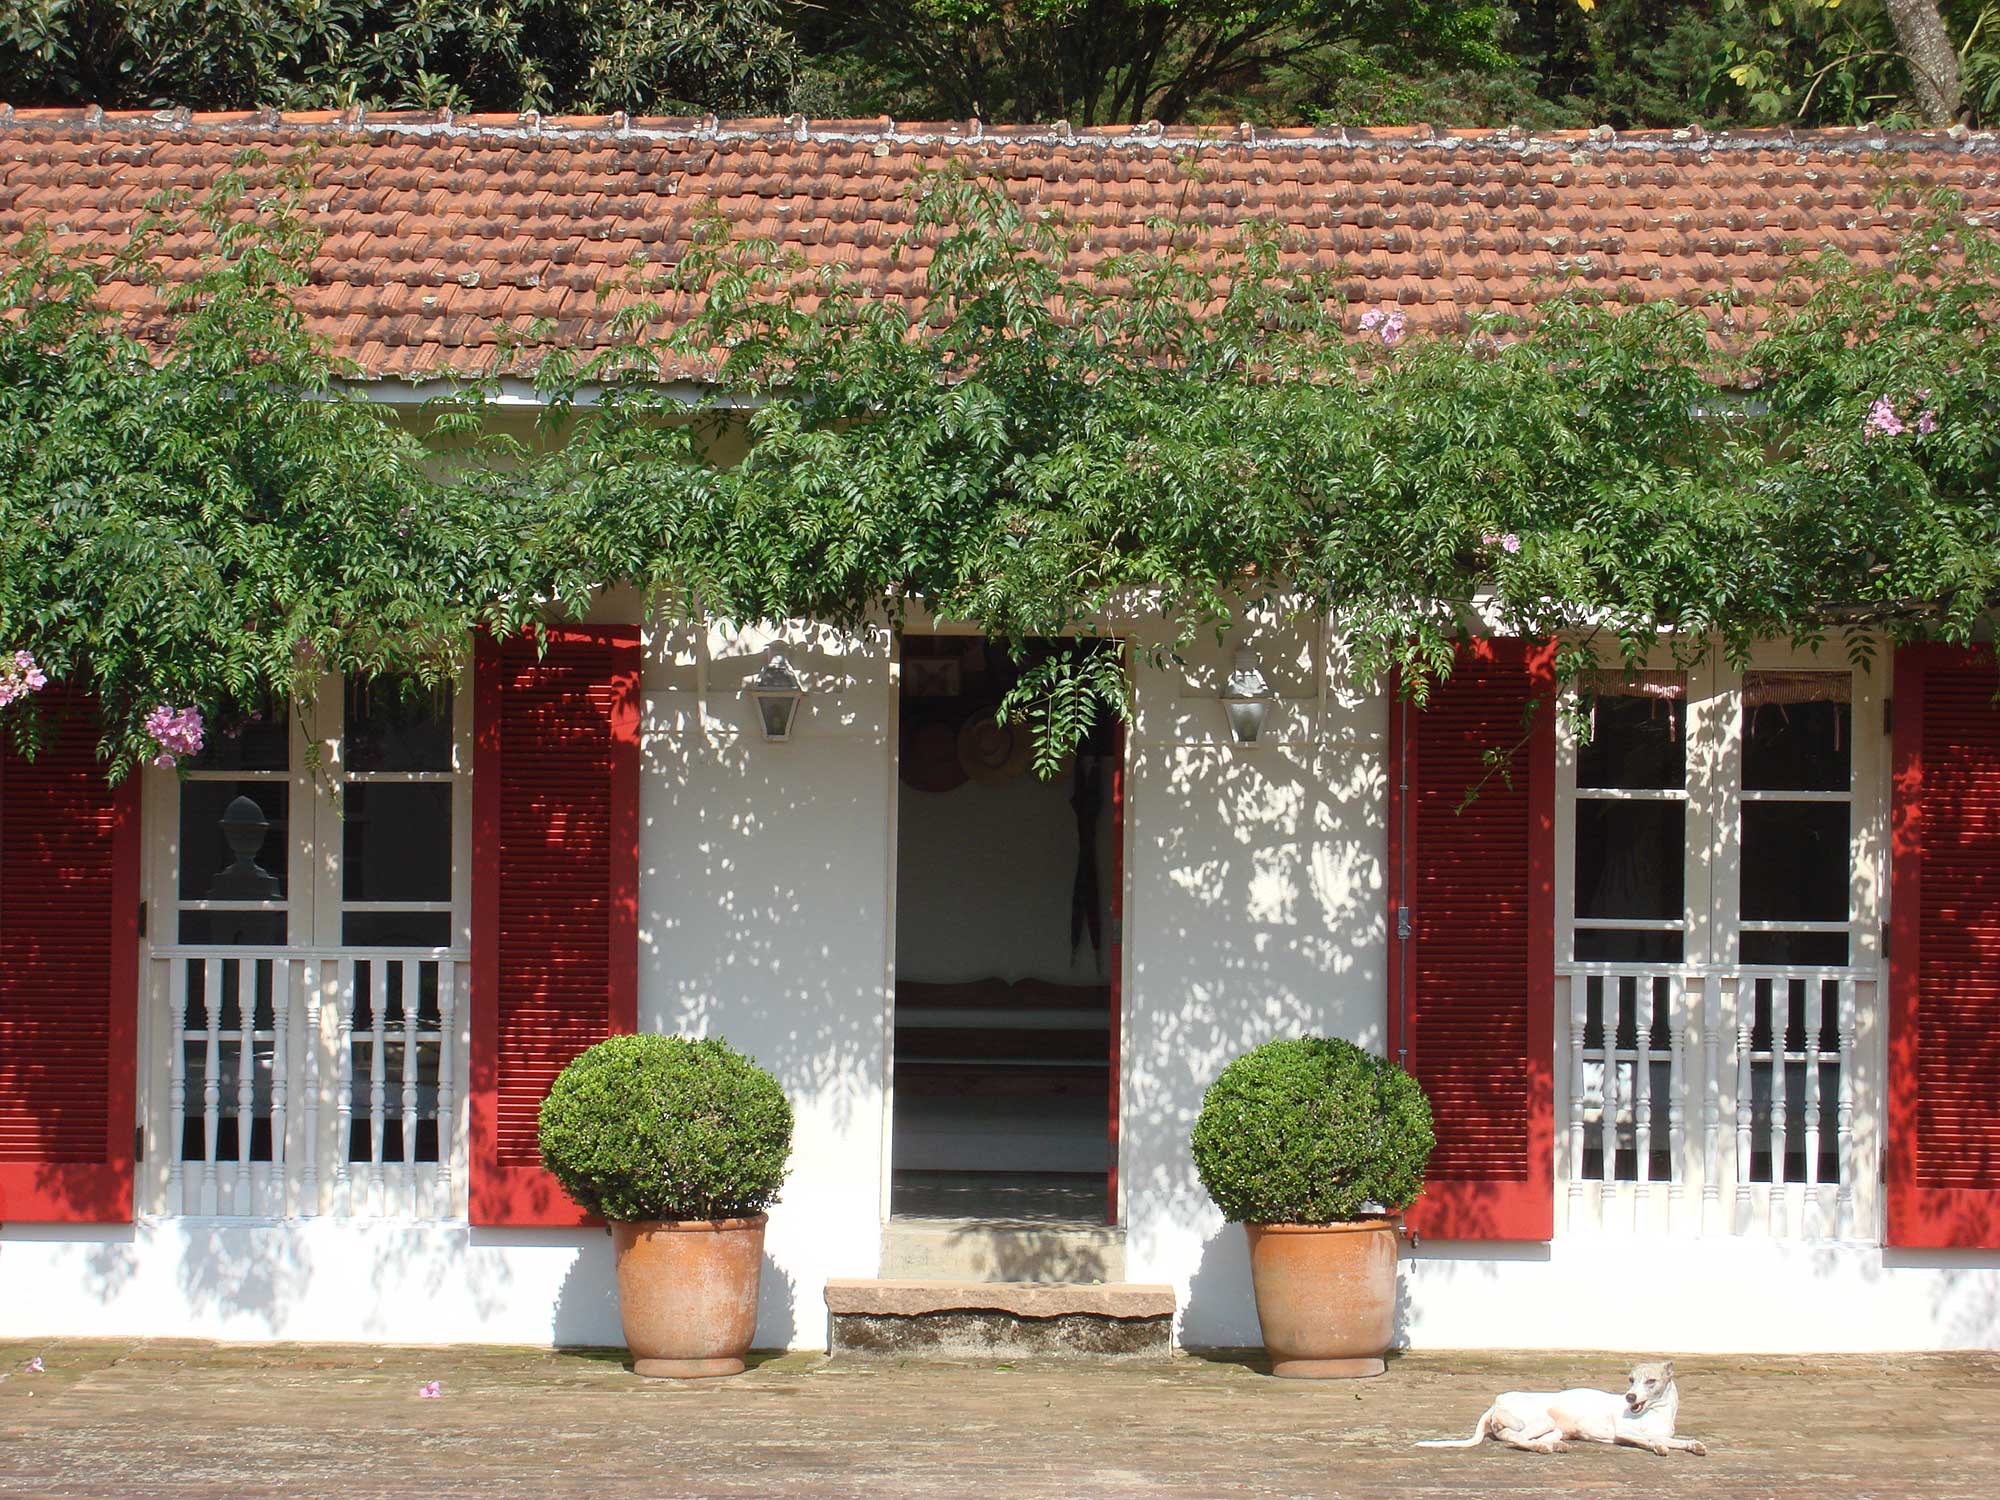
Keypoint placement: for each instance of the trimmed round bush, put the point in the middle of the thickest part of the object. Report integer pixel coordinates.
(662, 1127)
(1312, 1130)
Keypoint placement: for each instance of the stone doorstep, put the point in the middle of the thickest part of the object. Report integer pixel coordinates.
(926, 1249)
(981, 1320)
(1122, 1300)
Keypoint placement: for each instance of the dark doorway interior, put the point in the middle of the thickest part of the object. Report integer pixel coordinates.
(1006, 953)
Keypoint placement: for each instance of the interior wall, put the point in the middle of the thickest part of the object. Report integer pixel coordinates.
(984, 875)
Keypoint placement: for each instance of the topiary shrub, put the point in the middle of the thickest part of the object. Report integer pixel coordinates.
(1312, 1131)
(661, 1127)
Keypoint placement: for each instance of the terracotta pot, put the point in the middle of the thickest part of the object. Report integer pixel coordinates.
(687, 1293)
(1326, 1296)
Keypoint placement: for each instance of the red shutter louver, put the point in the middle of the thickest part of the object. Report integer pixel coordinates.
(555, 957)
(1472, 988)
(1944, 951)
(69, 975)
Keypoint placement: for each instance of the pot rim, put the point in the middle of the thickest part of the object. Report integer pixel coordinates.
(1343, 1226)
(690, 1226)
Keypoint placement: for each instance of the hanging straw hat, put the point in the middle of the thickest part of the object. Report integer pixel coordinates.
(992, 753)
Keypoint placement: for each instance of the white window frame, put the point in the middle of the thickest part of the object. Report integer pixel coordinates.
(1707, 1193)
(314, 974)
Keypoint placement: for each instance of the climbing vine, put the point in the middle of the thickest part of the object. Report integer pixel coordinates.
(1056, 443)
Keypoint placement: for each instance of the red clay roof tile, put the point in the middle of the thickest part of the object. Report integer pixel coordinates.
(440, 227)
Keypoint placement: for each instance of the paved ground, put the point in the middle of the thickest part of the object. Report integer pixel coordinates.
(129, 1419)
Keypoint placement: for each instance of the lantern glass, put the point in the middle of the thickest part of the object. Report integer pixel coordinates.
(1246, 719)
(776, 690)
(1246, 698)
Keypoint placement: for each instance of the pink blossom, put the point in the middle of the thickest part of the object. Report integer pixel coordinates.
(431, 1391)
(20, 676)
(1372, 319)
(1392, 330)
(1927, 423)
(176, 731)
(1882, 420)
(1506, 541)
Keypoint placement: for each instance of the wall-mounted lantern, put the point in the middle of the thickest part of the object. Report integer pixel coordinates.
(1246, 698)
(776, 690)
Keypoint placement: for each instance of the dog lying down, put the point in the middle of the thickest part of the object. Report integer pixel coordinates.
(1542, 1421)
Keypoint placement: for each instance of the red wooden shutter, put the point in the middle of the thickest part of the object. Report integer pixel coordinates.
(1472, 988)
(69, 975)
(555, 892)
(1944, 951)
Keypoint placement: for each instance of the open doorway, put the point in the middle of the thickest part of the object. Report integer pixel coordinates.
(1007, 952)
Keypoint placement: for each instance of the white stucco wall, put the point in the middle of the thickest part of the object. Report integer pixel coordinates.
(1254, 908)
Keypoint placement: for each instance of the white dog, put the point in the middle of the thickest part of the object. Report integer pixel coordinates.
(1541, 1421)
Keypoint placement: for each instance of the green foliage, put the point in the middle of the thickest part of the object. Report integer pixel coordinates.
(572, 56)
(658, 1127)
(1097, 62)
(1181, 433)
(1312, 1130)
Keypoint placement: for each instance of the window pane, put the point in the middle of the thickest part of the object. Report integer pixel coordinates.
(1635, 742)
(396, 929)
(260, 740)
(264, 929)
(1795, 861)
(233, 840)
(390, 729)
(1605, 945)
(1629, 859)
(1805, 949)
(396, 841)
(1798, 732)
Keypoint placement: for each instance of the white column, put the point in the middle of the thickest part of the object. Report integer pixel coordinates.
(1781, 1012)
(242, 1193)
(343, 1105)
(281, 1016)
(1680, 1037)
(447, 1110)
(1645, 996)
(1579, 1016)
(177, 997)
(378, 1077)
(1844, 1113)
(1812, 1225)
(211, 1082)
(1746, 1016)
(309, 1178)
(412, 972)
(1711, 1104)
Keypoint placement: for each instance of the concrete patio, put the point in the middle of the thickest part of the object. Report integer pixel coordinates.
(138, 1419)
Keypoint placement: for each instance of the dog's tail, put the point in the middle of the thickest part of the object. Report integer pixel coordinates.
(1478, 1435)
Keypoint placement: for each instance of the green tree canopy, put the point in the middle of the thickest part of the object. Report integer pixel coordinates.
(1055, 445)
(569, 56)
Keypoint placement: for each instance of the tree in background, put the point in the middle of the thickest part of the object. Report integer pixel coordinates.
(582, 56)
(1096, 62)
(1813, 62)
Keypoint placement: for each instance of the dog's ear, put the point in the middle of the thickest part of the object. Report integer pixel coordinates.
(1666, 1369)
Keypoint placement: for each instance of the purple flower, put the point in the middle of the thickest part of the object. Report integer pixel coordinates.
(1927, 423)
(431, 1391)
(20, 676)
(1882, 420)
(1372, 319)
(176, 731)
(1392, 330)
(1506, 541)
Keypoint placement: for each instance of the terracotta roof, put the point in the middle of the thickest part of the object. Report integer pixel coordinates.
(439, 228)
